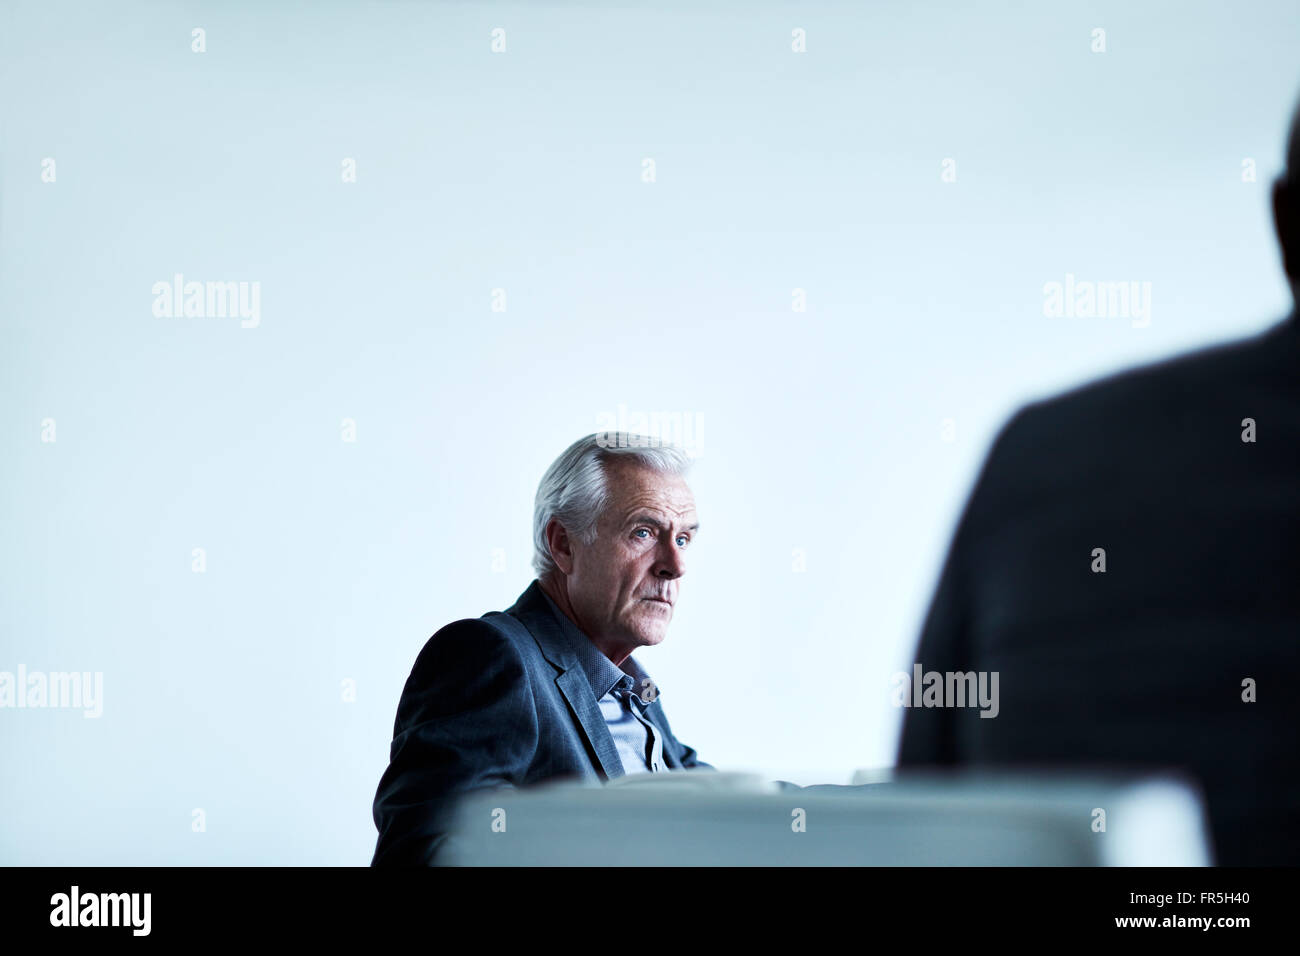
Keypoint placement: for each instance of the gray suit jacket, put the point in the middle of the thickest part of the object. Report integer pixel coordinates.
(495, 701)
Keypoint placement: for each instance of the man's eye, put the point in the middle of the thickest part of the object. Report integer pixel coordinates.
(639, 530)
(682, 540)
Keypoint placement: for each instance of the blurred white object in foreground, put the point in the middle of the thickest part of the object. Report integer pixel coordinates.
(702, 818)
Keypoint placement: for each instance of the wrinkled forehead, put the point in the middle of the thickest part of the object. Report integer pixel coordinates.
(634, 487)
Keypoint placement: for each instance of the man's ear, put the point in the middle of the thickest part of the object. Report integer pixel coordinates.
(561, 545)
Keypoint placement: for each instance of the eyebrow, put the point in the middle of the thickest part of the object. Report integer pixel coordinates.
(647, 518)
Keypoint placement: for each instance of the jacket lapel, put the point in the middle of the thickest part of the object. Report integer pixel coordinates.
(577, 692)
(535, 614)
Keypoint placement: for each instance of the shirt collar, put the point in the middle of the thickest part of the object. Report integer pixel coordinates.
(602, 673)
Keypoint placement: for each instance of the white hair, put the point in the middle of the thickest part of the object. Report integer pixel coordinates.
(573, 490)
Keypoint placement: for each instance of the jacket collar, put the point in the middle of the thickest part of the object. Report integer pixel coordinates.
(601, 672)
(556, 637)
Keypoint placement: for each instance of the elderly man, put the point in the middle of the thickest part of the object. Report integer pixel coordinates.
(549, 688)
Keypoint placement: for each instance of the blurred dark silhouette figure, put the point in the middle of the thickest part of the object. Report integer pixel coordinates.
(1149, 662)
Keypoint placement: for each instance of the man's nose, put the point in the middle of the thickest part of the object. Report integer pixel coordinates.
(671, 562)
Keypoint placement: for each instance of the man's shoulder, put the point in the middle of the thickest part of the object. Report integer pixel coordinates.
(494, 640)
(1179, 383)
(1129, 403)
(493, 635)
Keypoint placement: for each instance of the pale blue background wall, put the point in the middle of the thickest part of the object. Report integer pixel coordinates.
(819, 430)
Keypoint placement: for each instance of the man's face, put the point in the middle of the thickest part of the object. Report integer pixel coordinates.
(624, 584)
